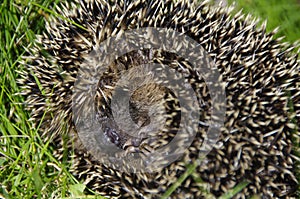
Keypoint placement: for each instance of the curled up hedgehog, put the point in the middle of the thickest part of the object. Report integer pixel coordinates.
(71, 89)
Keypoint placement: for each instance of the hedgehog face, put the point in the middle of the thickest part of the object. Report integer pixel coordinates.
(144, 104)
(118, 137)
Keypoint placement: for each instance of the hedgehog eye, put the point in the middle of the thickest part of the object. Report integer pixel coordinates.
(113, 136)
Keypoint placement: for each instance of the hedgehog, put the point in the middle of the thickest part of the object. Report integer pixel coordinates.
(261, 82)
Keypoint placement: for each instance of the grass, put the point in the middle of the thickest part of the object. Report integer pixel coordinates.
(279, 13)
(28, 168)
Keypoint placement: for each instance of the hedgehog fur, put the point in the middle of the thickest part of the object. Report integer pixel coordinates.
(262, 77)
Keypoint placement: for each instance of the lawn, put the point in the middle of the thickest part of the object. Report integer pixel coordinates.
(28, 168)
